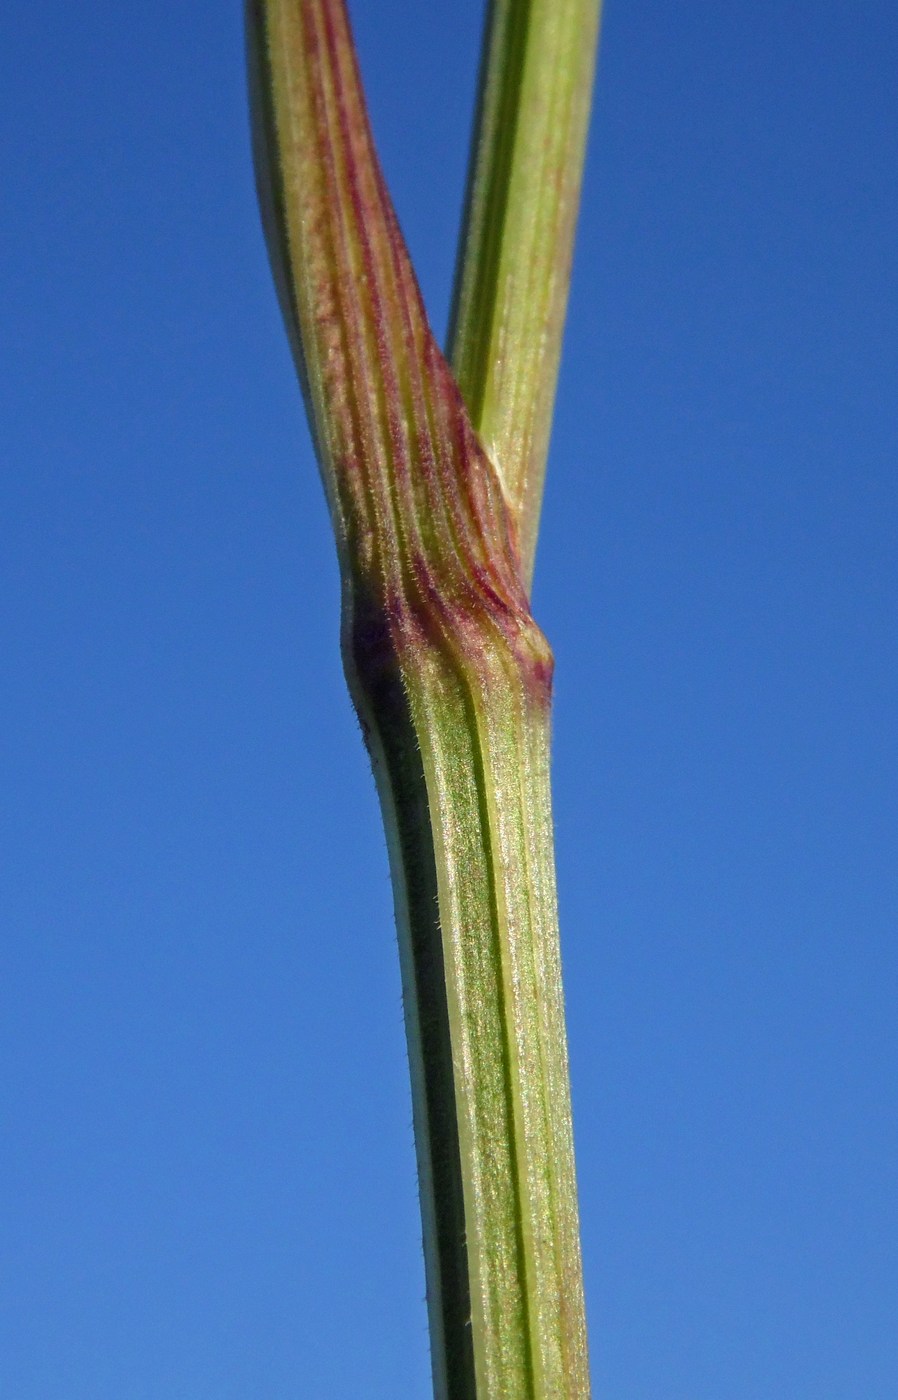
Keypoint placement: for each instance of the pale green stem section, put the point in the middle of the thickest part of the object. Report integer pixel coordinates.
(515, 253)
(485, 755)
(477, 739)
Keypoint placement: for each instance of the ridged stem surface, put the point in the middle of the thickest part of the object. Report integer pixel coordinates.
(451, 678)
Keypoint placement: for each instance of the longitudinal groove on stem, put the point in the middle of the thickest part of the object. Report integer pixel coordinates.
(451, 678)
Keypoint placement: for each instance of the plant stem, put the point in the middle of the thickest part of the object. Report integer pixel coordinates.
(517, 241)
(451, 678)
(484, 975)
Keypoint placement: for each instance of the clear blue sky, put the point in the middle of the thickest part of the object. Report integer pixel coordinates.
(207, 1174)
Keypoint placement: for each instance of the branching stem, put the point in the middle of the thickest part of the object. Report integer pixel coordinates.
(451, 678)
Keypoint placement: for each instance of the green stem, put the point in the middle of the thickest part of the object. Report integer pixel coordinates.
(451, 678)
(459, 736)
(517, 241)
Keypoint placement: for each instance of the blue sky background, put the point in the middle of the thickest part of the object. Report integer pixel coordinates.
(206, 1168)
